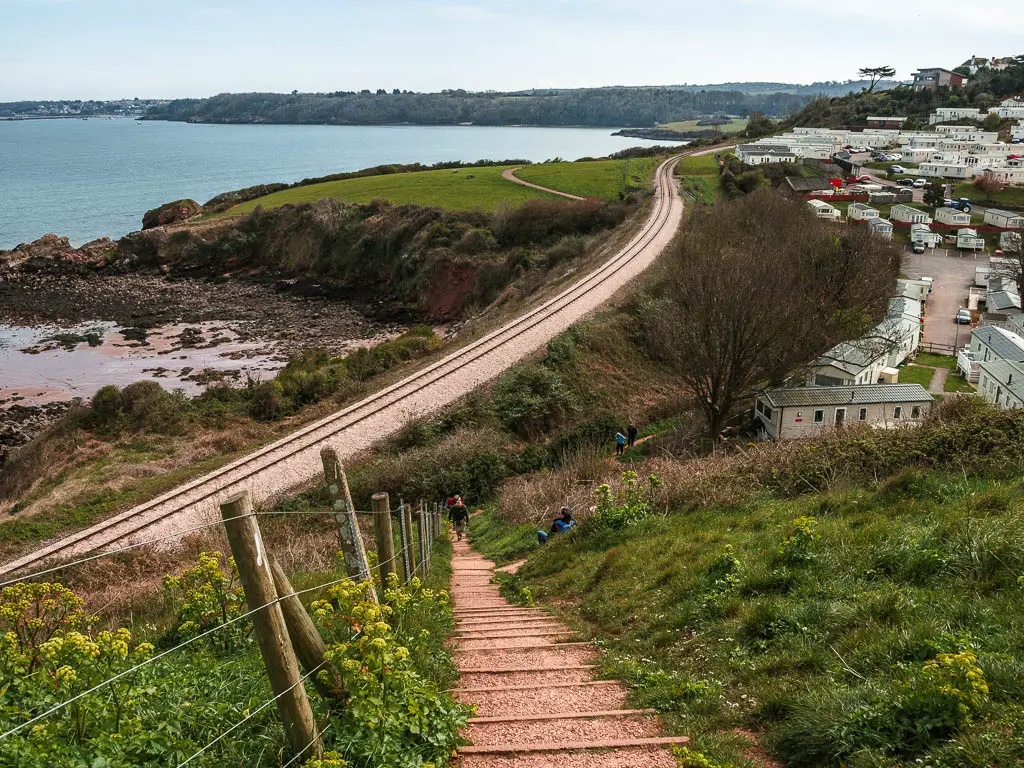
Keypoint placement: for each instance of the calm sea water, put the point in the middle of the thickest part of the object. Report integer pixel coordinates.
(89, 178)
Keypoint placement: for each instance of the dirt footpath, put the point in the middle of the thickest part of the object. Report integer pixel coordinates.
(538, 704)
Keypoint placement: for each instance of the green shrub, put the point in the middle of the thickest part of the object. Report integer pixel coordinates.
(632, 505)
(532, 399)
(267, 401)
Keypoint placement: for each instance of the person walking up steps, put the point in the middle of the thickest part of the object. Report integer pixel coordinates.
(620, 443)
(459, 515)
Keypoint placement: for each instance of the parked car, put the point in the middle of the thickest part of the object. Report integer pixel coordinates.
(920, 183)
(963, 317)
(905, 182)
(917, 246)
(858, 179)
(897, 156)
(897, 169)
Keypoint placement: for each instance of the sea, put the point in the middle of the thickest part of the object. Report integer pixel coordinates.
(84, 179)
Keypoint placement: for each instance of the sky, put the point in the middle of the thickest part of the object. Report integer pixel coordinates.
(106, 49)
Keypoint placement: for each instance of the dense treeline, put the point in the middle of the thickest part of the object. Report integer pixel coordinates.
(588, 106)
(986, 88)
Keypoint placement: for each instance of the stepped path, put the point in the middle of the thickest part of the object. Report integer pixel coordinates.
(538, 705)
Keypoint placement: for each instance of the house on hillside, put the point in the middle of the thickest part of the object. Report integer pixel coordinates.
(1004, 219)
(947, 114)
(1001, 382)
(890, 343)
(946, 215)
(823, 210)
(930, 78)
(922, 233)
(992, 343)
(759, 154)
(875, 121)
(881, 227)
(909, 215)
(967, 240)
(884, 197)
(796, 412)
(861, 212)
(809, 185)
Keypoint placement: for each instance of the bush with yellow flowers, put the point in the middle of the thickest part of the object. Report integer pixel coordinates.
(390, 713)
(206, 596)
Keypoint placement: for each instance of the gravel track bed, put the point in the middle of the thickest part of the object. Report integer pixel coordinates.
(551, 701)
(571, 729)
(629, 757)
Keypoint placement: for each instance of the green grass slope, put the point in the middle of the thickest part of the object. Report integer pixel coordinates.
(456, 189)
(873, 620)
(604, 179)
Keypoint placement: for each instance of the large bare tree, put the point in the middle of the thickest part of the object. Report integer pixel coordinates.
(755, 289)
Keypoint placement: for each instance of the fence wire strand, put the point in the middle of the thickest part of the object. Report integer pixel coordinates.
(121, 675)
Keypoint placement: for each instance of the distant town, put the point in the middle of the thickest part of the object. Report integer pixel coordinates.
(49, 110)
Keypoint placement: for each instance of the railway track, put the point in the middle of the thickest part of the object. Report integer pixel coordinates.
(295, 460)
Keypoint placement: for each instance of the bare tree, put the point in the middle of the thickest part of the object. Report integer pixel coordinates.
(876, 74)
(1012, 267)
(755, 289)
(988, 185)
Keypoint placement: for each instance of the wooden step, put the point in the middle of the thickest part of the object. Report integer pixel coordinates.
(563, 716)
(544, 687)
(554, 746)
(545, 646)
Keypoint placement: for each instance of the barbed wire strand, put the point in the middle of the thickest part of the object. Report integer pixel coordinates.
(118, 551)
(147, 542)
(256, 711)
(152, 659)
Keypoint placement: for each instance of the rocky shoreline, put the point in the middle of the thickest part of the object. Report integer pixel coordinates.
(50, 283)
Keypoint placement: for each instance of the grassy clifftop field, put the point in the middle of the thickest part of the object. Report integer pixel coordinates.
(455, 189)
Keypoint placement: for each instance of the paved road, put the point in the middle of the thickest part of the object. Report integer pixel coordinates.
(953, 276)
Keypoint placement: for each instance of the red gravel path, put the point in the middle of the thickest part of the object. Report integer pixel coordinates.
(515, 665)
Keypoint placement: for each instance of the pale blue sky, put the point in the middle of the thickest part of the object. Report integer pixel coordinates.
(52, 49)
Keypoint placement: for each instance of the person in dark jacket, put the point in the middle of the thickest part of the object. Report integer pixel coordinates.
(631, 434)
(459, 516)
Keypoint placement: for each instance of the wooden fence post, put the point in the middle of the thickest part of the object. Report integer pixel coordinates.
(381, 505)
(309, 646)
(352, 549)
(421, 516)
(275, 646)
(413, 558)
(403, 530)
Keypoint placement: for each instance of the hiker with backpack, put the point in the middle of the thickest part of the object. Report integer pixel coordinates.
(458, 514)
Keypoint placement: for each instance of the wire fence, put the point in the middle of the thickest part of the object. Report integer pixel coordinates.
(427, 528)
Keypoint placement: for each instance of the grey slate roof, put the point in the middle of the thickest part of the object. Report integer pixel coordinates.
(1003, 300)
(765, 149)
(867, 394)
(1005, 344)
(808, 184)
(1002, 370)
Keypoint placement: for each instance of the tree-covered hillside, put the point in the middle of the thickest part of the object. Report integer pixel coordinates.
(605, 107)
(985, 89)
